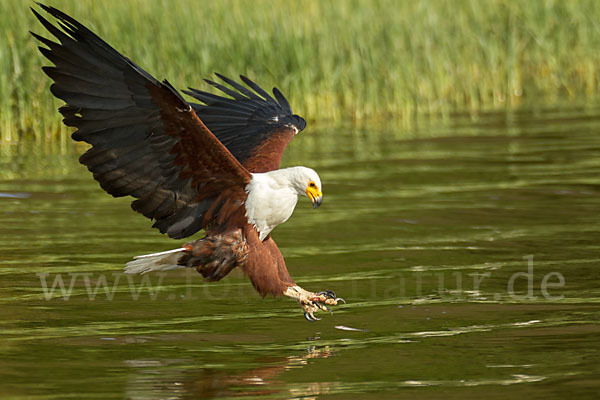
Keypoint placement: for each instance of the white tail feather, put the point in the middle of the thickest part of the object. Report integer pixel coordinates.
(163, 261)
(159, 254)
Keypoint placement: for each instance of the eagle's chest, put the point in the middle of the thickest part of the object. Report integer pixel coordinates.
(278, 208)
(267, 207)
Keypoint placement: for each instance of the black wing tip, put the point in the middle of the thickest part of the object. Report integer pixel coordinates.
(281, 100)
(43, 6)
(55, 12)
(298, 122)
(252, 92)
(33, 10)
(248, 81)
(39, 16)
(35, 35)
(66, 25)
(255, 104)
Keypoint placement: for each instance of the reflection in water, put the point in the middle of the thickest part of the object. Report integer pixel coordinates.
(181, 378)
(160, 379)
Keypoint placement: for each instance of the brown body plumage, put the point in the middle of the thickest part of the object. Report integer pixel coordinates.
(223, 249)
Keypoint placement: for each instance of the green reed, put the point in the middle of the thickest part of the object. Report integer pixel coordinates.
(335, 60)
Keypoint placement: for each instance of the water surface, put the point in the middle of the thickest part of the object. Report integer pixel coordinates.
(422, 230)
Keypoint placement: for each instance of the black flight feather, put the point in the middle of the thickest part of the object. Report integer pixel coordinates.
(245, 119)
(108, 101)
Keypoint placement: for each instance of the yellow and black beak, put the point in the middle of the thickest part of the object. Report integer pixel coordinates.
(315, 195)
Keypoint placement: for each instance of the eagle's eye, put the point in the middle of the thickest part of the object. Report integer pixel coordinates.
(312, 185)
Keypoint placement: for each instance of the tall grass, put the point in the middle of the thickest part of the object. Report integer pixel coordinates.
(335, 60)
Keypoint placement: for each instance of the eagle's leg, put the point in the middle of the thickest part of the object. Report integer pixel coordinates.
(313, 302)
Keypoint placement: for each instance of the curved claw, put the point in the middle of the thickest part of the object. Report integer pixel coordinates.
(310, 317)
(339, 299)
(327, 293)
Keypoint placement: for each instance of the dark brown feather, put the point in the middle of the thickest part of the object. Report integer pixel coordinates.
(265, 266)
(267, 156)
(198, 152)
(216, 255)
(225, 248)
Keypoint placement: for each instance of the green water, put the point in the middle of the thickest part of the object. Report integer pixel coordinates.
(422, 230)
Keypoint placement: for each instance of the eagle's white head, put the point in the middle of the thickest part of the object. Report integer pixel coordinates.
(272, 196)
(306, 182)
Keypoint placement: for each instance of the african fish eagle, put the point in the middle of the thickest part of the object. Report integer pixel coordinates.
(211, 166)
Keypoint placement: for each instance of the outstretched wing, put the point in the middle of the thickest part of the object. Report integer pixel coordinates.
(147, 142)
(255, 126)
